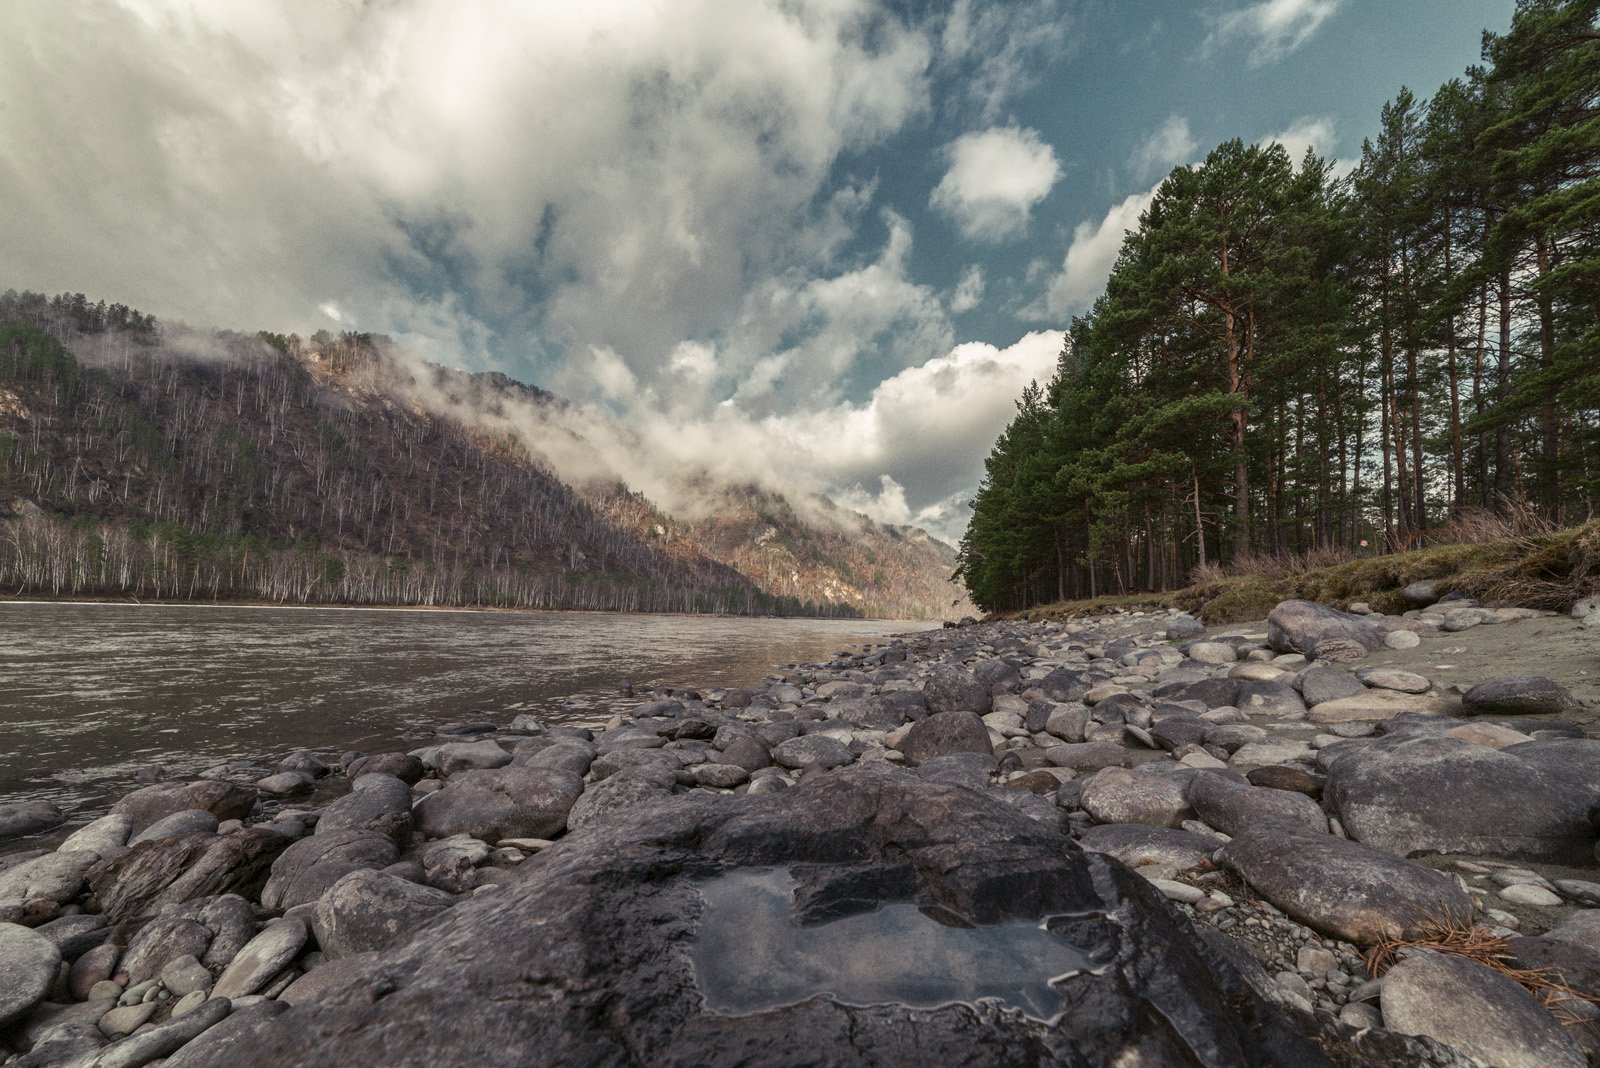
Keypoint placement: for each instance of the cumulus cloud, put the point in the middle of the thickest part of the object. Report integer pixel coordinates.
(1089, 259)
(1171, 145)
(995, 178)
(1305, 133)
(616, 174)
(1273, 28)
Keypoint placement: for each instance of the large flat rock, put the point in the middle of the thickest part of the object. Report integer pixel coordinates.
(609, 945)
(1412, 794)
(1375, 706)
(1343, 889)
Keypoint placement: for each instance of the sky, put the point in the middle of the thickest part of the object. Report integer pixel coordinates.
(821, 245)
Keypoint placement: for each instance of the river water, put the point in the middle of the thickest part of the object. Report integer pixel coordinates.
(92, 693)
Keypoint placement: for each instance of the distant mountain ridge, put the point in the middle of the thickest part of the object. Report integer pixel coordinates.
(137, 461)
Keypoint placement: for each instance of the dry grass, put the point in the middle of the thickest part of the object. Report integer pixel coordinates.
(1455, 935)
(1512, 561)
(1270, 565)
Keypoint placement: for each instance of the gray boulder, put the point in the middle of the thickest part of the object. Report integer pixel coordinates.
(1411, 794)
(102, 837)
(28, 817)
(1421, 594)
(950, 689)
(1321, 632)
(812, 751)
(402, 766)
(1520, 695)
(52, 879)
(28, 965)
(630, 789)
(685, 933)
(178, 825)
(1088, 756)
(376, 802)
(565, 754)
(1116, 795)
(1137, 844)
(1476, 1010)
(946, 732)
(511, 802)
(263, 957)
(371, 910)
(1343, 889)
(224, 800)
(310, 866)
(467, 756)
(174, 870)
(1324, 683)
(1236, 808)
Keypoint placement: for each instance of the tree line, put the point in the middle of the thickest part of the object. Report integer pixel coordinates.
(1288, 358)
(144, 470)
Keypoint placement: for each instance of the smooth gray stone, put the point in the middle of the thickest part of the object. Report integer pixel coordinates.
(21, 818)
(1343, 889)
(28, 965)
(178, 825)
(225, 800)
(950, 689)
(1318, 631)
(1137, 844)
(102, 837)
(376, 802)
(262, 958)
(1475, 1009)
(1236, 808)
(56, 877)
(1520, 695)
(307, 868)
(812, 751)
(509, 802)
(1435, 793)
(370, 910)
(943, 733)
(1117, 795)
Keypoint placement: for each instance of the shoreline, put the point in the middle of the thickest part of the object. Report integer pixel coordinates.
(463, 609)
(1114, 732)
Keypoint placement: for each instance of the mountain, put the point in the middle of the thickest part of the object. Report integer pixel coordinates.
(137, 460)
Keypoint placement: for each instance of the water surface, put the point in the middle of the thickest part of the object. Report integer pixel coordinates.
(752, 954)
(91, 693)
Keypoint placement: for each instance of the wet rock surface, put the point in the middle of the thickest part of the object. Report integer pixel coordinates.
(618, 914)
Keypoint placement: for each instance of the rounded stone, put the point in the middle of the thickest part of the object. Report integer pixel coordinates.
(28, 965)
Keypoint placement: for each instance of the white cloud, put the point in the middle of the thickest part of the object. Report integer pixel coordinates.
(1274, 28)
(618, 174)
(1171, 145)
(998, 51)
(1306, 132)
(995, 178)
(968, 293)
(1090, 257)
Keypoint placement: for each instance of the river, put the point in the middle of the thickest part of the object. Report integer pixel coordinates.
(92, 693)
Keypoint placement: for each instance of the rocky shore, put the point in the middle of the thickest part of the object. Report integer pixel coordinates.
(1115, 841)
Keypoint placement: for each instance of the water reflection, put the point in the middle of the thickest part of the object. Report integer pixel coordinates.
(91, 693)
(752, 954)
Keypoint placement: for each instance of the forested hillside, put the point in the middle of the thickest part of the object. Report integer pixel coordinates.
(177, 464)
(1288, 358)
